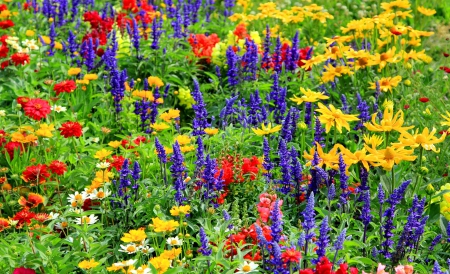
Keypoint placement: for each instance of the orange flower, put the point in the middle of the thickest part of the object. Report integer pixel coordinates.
(33, 200)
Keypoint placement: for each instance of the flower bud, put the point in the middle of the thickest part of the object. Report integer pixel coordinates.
(157, 207)
(430, 189)
(407, 82)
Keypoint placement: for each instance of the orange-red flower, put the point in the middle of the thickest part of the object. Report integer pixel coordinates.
(32, 201)
(71, 129)
(23, 216)
(36, 174)
(36, 109)
(57, 167)
(4, 223)
(65, 86)
(20, 59)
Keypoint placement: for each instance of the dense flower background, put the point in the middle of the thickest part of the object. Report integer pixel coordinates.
(229, 136)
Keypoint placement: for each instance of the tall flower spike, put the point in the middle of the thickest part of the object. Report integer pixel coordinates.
(160, 151)
(343, 178)
(278, 63)
(277, 224)
(178, 173)
(323, 240)
(232, 61)
(294, 54)
(285, 182)
(200, 161)
(200, 121)
(339, 244)
(204, 249)
(266, 59)
(308, 218)
(136, 174)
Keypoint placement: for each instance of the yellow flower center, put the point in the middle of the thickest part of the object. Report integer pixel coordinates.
(131, 248)
(78, 197)
(85, 220)
(101, 195)
(420, 139)
(389, 154)
(246, 268)
(334, 50)
(64, 224)
(384, 57)
(363, 61)
(173, 242)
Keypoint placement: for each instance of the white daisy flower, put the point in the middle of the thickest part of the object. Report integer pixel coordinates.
(99, 194)
(103, 165)
(246, 267)
(58, 108)
(77, 199)
(145, 249)
(141, 270)
(2, 113)
(53, 215)
(129, 248)
(95, 139)
(90, 220)
(125, 263)
(174, 241)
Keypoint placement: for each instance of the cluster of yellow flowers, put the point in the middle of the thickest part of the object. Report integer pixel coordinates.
(288, 16)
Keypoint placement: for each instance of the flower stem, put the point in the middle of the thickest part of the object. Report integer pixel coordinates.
(419, 176)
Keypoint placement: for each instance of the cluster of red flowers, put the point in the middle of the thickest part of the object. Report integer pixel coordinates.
(5, 24)
(203, 45)
(236, 171)
(16, 58)
(71, 129)
(265, 206)
(25, 217)
(35, 108)
(324, 266)
(67, 86)
(39, 173)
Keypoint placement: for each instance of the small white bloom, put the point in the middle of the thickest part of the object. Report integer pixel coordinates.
(145, 249)
(13, 222)
(247, 267)
(125, 263)
(53, 215)
(129, 248)
(90, 220)
(103, 165)
(77, 198)
(2, 113)
(99, 194)
(141, 270)
(95, 139)
(174, 241)
(76, 210)
(58, 108)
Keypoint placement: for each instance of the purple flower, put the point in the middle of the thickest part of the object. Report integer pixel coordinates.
(435, 241)
(178, 173)
(136, 173)
(200, 121)
(323, 239)
(308, 218)
(232, 61)
(277, 223)
(278, 63)
(343, 178)
(266, 59)
(204, 249)
(291, 62)
(285, 182)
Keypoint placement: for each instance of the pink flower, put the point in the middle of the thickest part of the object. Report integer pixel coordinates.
(404, 269)
(380, 269)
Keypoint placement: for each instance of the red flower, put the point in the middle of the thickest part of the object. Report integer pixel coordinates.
(117, 162)
(446, 69)
(6, 24)
(406, 106)
(65, 86)
(71, 129)
(424, 99)
(32, 201)
(35, 174)
(36, 109)
(20, 58)
(23, 270)
(23, 216)
(23, 100)
(4, 64)
(306, 271)
(130, 5)
(446, 54)
(291, 255)
(241, 31)
(3, 7)
(324, 266)
(11, 147)
(4, 51)
(203, 45)
(57, 167)
(139, 140)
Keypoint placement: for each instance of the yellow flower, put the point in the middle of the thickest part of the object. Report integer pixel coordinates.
(45, 130)
(373, 140)
(388, 123)
(134, 235)
(171, 254)
(159, 126)
(360, 156)
(387, 83)
(177, 210)
(387, 57)
(447, 119)
(160, 264)
(101, 154)
(164, 226)
(402, 4)
(391, 155)
(332, 72)
(330, 159)
(29, 33)
(445, 202)
(144, 94)
(266, 130)
(155, 81)
(334, 117)
(211, 131)
(426, 139)
(308, 64)
(82, 82)
(183, 140)
(91, 76)
(23, 138)
(185, 149)
(425, 11)
(114, 144)
(171, 114)
(309, 96)
(185, 97)
(74, 71)
(88, 264)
